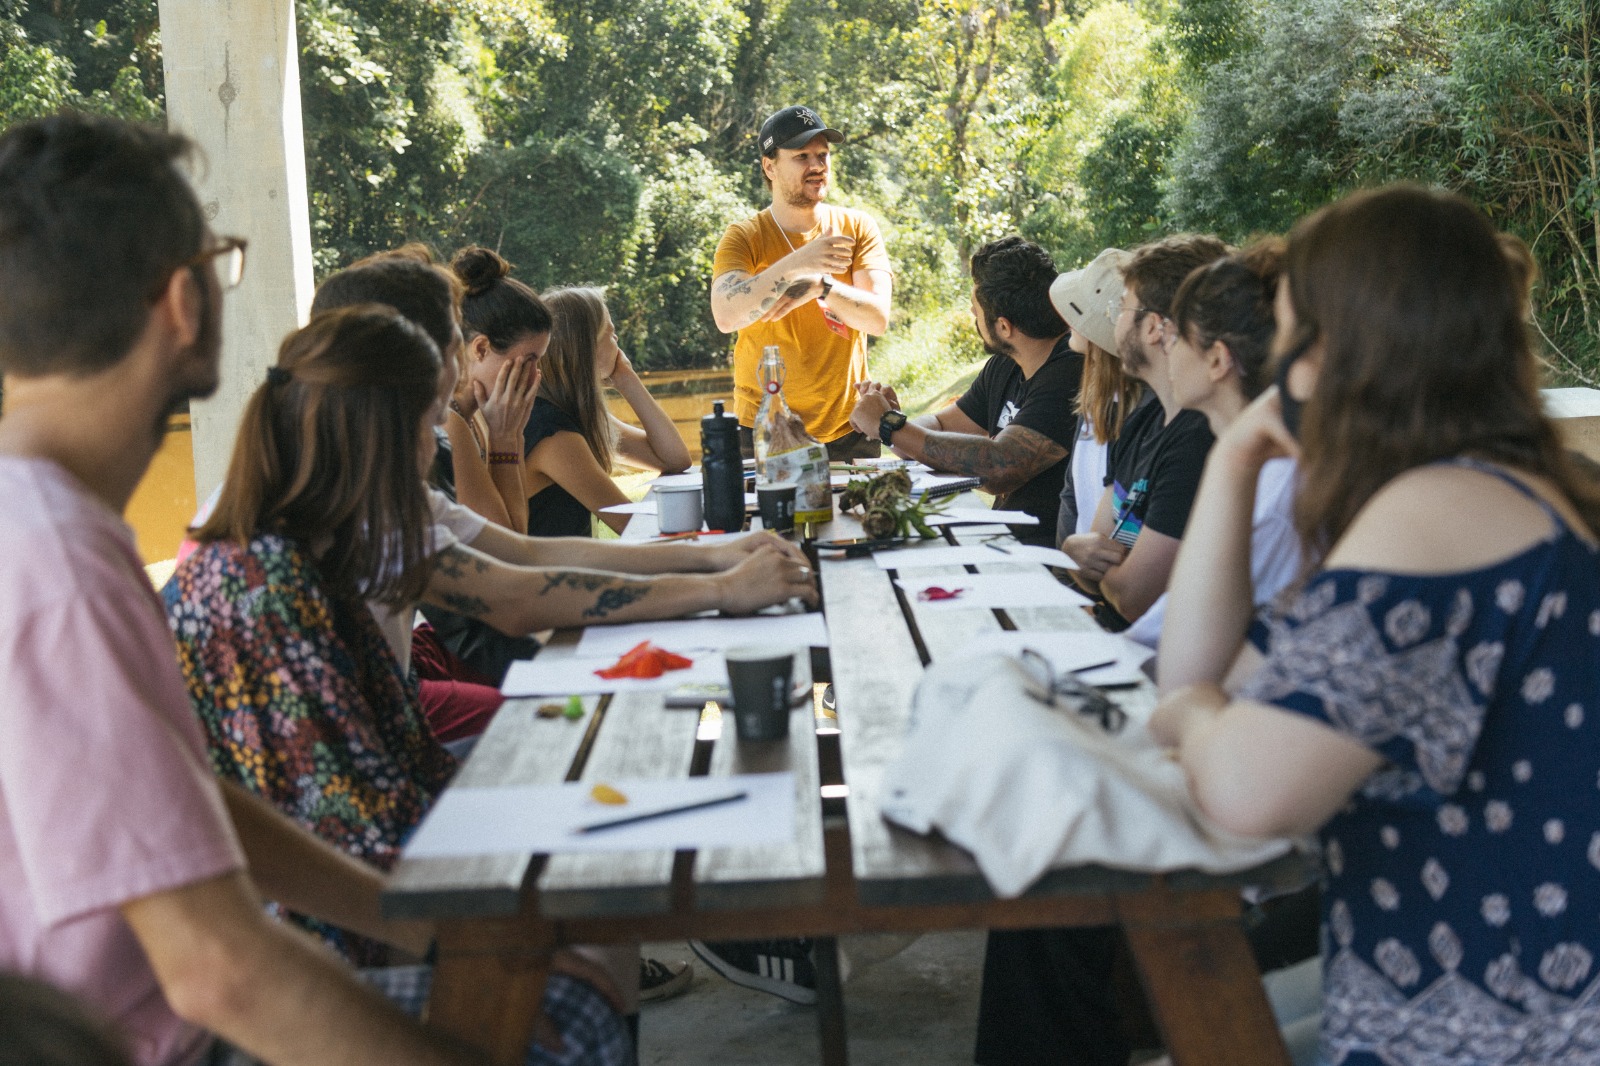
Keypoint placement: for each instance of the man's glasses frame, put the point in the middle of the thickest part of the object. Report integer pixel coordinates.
(229, 255)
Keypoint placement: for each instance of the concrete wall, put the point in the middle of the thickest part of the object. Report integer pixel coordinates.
(233, 84)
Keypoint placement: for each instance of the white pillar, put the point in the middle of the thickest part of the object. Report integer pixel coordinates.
(233, 85)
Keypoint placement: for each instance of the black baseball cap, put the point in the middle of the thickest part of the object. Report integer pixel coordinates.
(794, 127)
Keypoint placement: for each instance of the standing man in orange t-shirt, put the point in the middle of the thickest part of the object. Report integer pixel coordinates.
(812, 278)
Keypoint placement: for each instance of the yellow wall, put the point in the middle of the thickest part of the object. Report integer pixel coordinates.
(164, 501)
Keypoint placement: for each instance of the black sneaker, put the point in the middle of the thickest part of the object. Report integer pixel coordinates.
(663, 980)
(781, 967)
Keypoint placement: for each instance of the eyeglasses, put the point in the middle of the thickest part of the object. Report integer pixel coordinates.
(229, 255)
(1048, 687)
(1115, 309)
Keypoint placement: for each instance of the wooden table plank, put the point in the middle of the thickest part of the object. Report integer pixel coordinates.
(875, 671)
(771, 875)
(518, 748)
(640, 738)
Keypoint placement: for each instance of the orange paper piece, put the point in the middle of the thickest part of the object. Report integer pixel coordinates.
(644, 660)
(607, 794)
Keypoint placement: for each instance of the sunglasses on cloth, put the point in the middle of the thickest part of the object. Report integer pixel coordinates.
(1065, 690)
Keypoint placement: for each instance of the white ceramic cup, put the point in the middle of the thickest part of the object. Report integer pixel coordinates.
(678, 508)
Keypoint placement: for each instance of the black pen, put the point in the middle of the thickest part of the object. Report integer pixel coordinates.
(630, 819)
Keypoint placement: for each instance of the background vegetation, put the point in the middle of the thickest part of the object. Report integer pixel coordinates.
(612, 140)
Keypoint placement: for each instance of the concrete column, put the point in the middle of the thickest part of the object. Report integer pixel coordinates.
(233, 84)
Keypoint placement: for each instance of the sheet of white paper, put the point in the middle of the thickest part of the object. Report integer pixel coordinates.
(642, 507)
(690, 478)
(688, 635)
(1071, 650)
(977, 534)
(550, 675)
(703, 538)
(534, 819)
(960, 516)
(951, 555)
(993, 590)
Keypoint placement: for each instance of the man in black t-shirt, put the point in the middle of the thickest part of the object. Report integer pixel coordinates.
(1014, 427)
(1154, 466)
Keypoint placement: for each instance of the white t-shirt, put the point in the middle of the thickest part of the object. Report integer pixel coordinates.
(1274, 547)
(452, 524)
(1088, 475)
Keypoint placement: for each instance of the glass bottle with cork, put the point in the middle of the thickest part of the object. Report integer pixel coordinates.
(785, 452)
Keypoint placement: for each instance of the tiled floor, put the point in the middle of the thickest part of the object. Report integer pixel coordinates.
(921, 1006)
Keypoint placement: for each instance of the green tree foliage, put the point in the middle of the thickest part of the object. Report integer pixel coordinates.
(612, 141)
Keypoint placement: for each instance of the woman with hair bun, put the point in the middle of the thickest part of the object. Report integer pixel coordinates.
(572, 441)
(505, 331)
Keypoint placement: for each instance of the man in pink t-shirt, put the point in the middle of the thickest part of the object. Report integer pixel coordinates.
(122, 863)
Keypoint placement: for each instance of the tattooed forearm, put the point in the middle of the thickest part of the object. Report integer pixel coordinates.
(453, 563)
(570, 579)
(472, 606)
(1004, 463)
(614, 599)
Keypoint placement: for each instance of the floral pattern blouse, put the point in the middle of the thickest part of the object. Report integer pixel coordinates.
(1461, 909)
(303, 702)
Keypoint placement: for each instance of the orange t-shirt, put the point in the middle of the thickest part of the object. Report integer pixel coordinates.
(821, 366)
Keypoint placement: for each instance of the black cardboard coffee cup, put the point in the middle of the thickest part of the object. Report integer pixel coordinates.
(777, 506)
(760, 679)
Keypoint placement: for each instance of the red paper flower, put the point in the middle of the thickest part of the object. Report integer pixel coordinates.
(934, 592)
(644, 660)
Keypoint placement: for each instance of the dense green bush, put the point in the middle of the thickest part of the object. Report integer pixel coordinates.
(611, 141)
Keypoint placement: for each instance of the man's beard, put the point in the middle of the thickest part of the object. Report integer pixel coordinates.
(1131, 353)
(200, 377)
(998, 346)
(799, 197)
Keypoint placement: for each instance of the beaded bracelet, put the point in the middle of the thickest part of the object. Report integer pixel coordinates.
(504, 458)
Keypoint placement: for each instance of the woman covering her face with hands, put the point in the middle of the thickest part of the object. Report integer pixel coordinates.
(572, 441)
(1428, 700)
(506, 329)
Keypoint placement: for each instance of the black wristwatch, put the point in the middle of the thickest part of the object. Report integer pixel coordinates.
(827, 287)
(890, 424)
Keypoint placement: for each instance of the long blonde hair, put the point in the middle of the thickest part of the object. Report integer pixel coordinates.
(577, 316)
(1107, 394)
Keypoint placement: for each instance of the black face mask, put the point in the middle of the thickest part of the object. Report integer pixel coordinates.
(1292, 408)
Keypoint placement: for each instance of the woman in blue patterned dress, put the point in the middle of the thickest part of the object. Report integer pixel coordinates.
(1428, 699)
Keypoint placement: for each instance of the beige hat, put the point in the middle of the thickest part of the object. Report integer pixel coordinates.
(1083, 297)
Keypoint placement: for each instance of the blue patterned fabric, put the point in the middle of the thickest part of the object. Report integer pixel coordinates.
(1462, 904)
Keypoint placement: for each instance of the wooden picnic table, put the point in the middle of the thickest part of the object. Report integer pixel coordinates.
(500, 917)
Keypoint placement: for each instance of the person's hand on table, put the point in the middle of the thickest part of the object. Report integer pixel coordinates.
(872, 403)
(506, 407)
(731, 553)
(1095, 553)
(1182, 709)
(768, 575)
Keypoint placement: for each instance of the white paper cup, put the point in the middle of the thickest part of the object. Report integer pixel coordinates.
(678, 508)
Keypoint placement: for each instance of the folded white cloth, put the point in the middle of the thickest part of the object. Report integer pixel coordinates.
(1026, 787)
